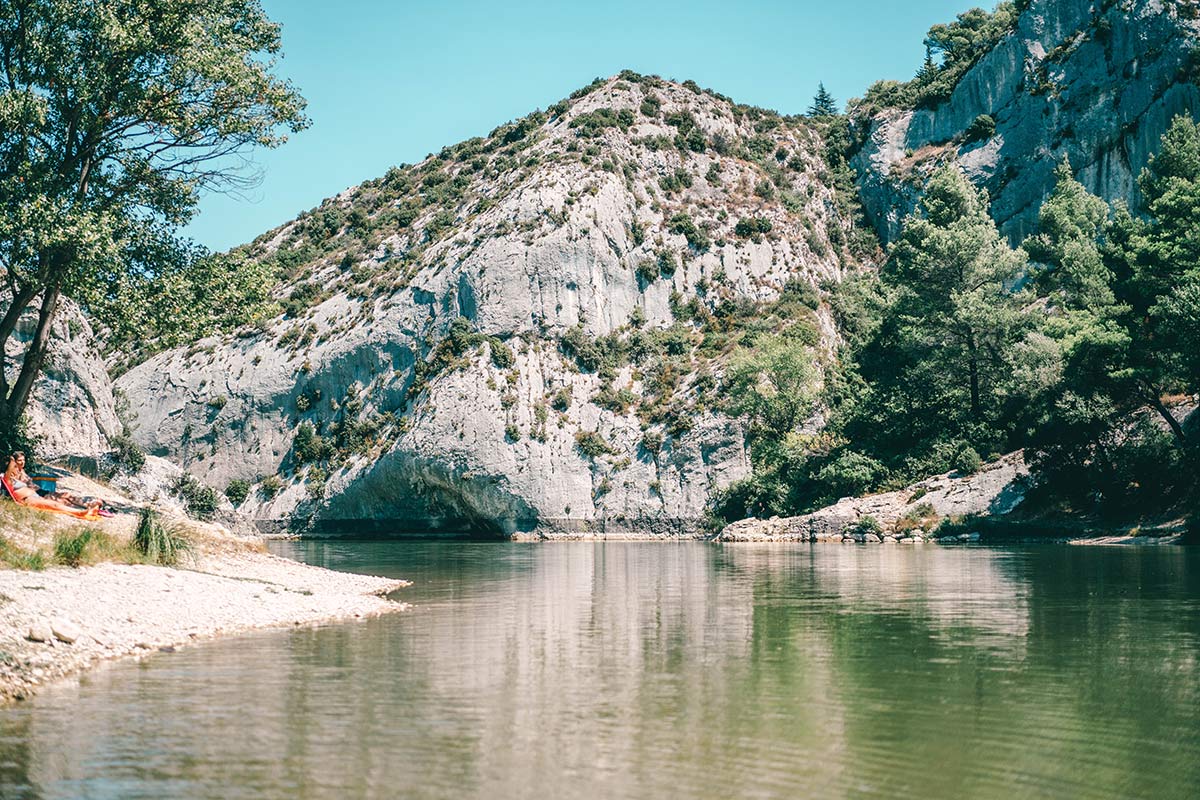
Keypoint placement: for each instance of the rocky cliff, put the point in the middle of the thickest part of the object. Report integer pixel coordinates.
(73, 411)
(520, 333)
(1095, 81)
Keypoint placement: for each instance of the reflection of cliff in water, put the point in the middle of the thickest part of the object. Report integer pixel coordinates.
(666, 670)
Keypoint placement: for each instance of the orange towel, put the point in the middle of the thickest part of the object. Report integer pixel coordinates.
(83, 513)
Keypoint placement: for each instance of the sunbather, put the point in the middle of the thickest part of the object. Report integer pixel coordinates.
(19, 485)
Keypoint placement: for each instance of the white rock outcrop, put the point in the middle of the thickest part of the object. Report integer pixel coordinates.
(548, 247)
(1098, 83)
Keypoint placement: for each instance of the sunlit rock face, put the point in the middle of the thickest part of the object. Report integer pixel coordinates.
(1097, 83)
(72, 410)
(553, 230)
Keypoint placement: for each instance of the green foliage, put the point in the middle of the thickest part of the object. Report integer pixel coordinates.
(108, 144)
(270, 486)
(591, 444)
(69, 548)
(773, 385)
(238, 490)
(561, 401)
(982, 128)
(199, 498)
(865, 526)
(946, 362)
(309, 446)
(591, 124)
(683, 224)
(652, 442)
(158, 542)
(1070, 225)
(751, 226)
(959, 45)
(823, 104)
(512, 433)
(127, 454)
(677, 180)
(966, 461)
(502, 354)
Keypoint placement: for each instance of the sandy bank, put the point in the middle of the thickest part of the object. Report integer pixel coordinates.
(117, 610)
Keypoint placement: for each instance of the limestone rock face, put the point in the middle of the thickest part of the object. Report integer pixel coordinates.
(556, 231)
(1097, 83)
(996, 489)
(72, 410)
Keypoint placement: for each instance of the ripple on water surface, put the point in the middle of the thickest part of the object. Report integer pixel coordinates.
(665, 670)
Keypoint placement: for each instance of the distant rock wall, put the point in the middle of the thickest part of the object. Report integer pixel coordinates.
(997, 488)
(1095, 82)
(554, 247)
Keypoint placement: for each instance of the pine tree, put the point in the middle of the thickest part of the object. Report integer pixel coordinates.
(823, 104)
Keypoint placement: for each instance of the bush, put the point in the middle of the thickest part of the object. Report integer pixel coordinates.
(750, 226)
(866, 525)
(270, 486)
(591, 444)
(309, 447)
(127, 454)
(502, 354)
(159, 543)
(237, 491)
(512, 433)
(652, 442)
(981, 129)
(647, 270)
(966, 461)
(683, 224)
(199, 498)
(561, 401)
(919, 516)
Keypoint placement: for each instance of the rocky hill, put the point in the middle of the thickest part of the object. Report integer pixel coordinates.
(523, 332)
(1095, 81)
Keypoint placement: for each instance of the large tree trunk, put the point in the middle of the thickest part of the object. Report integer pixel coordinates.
(973, 368)
(8, 323)
(1156, 401)
(35, 355)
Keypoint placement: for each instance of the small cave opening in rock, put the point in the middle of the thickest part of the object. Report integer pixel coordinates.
(404, 497)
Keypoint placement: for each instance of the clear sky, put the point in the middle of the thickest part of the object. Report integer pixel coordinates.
(389, 82)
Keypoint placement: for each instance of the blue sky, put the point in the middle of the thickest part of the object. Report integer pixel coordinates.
(389, 82)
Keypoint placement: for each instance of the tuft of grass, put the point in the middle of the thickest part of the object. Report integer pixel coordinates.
(89, 546)
(15, 557)
(157, 542)
(69, 548)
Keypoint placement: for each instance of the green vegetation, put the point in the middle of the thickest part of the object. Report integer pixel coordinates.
(238, 490)
(1073, 347)
(158, 542)
(950, 50)
(106, 148)
(591, 444)
(823, 104)
(199, 498)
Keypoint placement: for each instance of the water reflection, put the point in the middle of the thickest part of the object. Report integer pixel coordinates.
(651, 670)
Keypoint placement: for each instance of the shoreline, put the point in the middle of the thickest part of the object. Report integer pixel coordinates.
(109, 611)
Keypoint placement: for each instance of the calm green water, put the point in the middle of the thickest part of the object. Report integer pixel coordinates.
(666, 670)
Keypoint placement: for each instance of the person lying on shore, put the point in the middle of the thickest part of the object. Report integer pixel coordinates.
(20, 487)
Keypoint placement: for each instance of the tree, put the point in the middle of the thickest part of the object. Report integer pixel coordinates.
(113, 116)
(1160, 263)
(1071, 224)
(823, 104)
(942, 365)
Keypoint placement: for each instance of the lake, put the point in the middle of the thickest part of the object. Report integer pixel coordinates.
(664, 670)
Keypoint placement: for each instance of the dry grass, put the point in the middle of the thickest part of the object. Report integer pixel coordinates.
(920, 516)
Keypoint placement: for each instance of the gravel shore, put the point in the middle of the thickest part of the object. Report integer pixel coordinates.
(62, 621)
